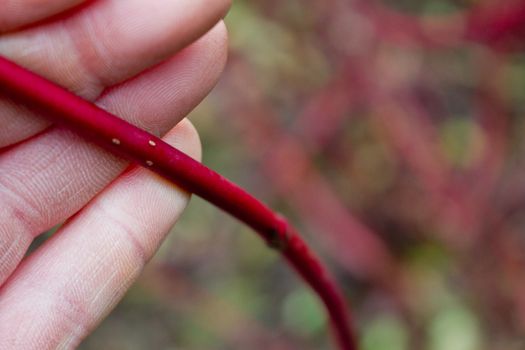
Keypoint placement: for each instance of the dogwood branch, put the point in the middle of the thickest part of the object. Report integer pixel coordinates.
(141, 147)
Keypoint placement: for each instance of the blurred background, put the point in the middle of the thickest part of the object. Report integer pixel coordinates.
(390, 133)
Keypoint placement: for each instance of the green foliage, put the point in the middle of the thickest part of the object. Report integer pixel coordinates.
(385, 333)
(455, 328)
(303, 313)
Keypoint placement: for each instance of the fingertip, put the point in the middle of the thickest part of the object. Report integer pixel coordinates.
(220, 34)
(184, 137)
(222, 6)
(20, 13)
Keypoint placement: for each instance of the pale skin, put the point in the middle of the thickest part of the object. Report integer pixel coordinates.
(149, 62)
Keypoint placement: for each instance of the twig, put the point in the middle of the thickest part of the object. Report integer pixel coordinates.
(128, 141)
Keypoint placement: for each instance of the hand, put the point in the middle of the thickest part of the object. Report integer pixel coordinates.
(127, 56)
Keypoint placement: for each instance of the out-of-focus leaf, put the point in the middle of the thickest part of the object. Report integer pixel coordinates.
(385, 333)
(455, 328)
(302, 313)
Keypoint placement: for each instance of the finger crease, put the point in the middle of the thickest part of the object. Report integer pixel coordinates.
(128, 231)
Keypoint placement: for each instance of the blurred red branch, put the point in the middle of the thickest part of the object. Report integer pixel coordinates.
(349, 241)
(386, 65)
(489, 22)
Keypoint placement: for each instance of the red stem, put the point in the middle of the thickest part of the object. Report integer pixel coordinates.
(128, 141)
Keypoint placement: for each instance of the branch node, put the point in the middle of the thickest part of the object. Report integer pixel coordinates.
(279, 236)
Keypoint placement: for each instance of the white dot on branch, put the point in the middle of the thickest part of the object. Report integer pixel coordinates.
(116, 141)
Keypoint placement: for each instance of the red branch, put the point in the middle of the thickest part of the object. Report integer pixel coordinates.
(128, 141)
(497, 24)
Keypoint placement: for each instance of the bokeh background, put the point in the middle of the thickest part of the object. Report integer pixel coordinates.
(391, 133)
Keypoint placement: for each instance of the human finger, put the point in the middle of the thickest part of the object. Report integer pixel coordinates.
(105, 43)
(62, 291)
(50, 177)
(17, 13)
